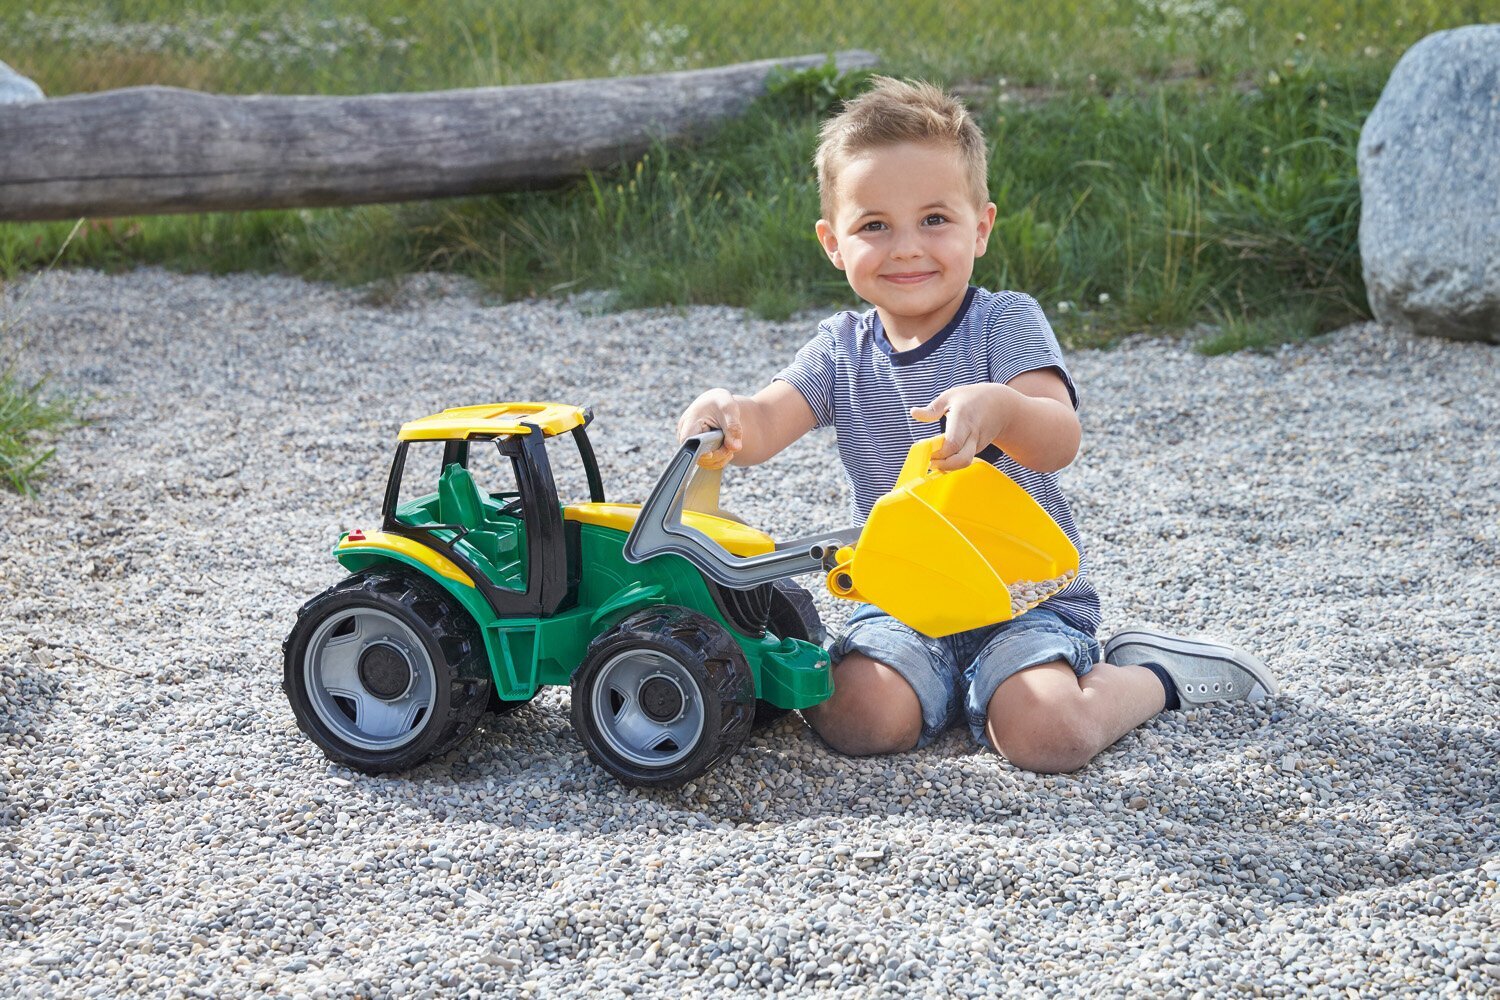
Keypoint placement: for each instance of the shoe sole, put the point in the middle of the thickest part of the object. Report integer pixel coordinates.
(1250, 663)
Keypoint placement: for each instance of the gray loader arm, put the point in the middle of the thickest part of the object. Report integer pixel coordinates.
(660, 529)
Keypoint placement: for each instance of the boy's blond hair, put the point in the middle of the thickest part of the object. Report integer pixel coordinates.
(893, 112)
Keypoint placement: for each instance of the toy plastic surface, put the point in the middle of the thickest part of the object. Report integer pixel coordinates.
(946, 552)
(674, 623)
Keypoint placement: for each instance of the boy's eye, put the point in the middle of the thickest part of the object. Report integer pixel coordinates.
(872, 227)
(934, 220)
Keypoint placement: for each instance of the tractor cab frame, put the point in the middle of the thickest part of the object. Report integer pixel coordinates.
(519, 432)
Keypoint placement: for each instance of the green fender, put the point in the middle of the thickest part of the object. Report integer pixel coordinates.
(473, 602)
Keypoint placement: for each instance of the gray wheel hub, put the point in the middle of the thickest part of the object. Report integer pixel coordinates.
(647, 707)
(369, 678)
(661, 699)
(385, 672)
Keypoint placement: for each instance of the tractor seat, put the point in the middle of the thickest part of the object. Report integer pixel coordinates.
(461, 502)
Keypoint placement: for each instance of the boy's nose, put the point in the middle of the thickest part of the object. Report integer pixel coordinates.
(906, 245)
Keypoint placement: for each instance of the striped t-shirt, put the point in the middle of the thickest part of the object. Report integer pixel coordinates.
(857, 383)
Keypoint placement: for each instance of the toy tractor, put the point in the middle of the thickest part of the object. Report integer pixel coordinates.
(467, 600)
(675, 624)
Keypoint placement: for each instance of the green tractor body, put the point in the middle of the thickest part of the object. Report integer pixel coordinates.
(526, 653)
(465, 596)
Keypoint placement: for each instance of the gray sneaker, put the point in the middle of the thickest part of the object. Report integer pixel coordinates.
(1203, 671)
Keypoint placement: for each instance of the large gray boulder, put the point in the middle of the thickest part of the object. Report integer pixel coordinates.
(15, 88)
(1429, 181)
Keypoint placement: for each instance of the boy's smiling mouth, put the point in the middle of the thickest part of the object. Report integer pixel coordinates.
(908, 277)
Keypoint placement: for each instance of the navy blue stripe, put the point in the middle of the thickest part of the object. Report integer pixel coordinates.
(929, 345)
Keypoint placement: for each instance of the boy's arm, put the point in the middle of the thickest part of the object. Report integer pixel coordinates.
(755, 427)
(1030, 418)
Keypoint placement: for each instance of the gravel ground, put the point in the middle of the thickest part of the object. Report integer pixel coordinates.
(165, 829)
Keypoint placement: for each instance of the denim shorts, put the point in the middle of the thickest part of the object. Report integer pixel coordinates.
(961, 672)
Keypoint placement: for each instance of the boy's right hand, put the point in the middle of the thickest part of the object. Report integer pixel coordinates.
(715, 410)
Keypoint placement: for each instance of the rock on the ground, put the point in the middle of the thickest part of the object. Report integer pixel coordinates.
(17, 89)
(1429, 179)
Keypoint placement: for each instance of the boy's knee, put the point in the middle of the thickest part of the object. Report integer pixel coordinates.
(872, 710)
(1050, 739)
(863, 736)
(1055, 753)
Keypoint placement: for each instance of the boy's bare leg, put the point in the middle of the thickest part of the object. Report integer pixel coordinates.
(1048, 719)
(873, 709)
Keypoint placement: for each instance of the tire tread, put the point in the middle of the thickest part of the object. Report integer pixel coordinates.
(693, 639)
(447, 626)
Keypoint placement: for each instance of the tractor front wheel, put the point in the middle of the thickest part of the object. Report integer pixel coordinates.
(662, 697)
(384, 670)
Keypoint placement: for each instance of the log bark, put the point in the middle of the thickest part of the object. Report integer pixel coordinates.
(148, 150)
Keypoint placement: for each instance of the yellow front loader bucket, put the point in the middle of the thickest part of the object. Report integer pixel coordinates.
(946, 552)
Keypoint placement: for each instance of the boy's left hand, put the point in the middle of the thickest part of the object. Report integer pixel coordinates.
(977, 414)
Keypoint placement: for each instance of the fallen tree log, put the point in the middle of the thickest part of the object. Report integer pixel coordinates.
(147, 150)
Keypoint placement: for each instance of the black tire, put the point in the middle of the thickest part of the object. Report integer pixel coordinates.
(793, 616)
(407, 630)
(637, 674)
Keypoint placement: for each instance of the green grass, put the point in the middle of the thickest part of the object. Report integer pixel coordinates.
(355, 46)
(29, 419)
(1179, 204)
(1161, 163)
(1176, 202)
(1268, 329)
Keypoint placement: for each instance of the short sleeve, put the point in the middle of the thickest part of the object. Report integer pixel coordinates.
(1020, 340)
(812, 374)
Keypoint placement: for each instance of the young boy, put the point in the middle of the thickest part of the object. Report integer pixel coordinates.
(902, 175)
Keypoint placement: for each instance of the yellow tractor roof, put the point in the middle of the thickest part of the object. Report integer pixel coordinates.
(495, 420)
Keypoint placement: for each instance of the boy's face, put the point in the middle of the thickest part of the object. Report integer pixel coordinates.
(906, 234)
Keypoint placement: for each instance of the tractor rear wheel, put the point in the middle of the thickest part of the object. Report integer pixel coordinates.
(662, 697)
(793, 616)
(384, 670)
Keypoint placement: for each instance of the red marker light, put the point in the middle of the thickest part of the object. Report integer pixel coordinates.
(357, 535)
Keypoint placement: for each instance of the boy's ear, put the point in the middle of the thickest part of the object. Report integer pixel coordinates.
(830, 241)
(986, 226)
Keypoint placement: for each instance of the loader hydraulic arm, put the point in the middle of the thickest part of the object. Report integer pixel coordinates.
(685, 485)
